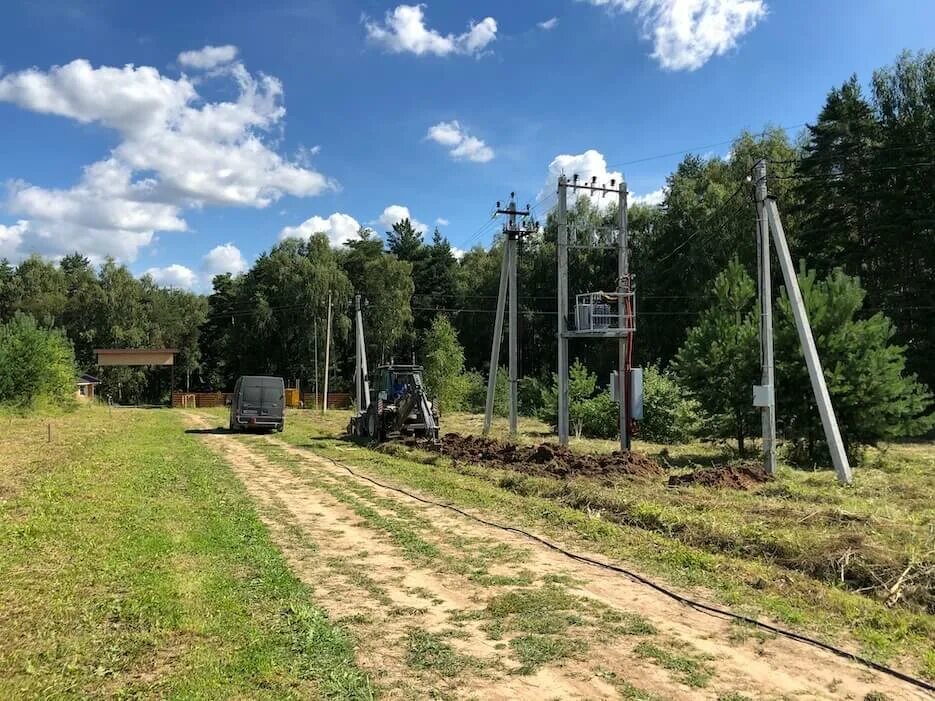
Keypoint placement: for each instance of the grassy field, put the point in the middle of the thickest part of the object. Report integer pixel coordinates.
(801, 550)
(134, 565)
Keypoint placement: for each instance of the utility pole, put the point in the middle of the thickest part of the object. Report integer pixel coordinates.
(324, 406)
(623, 288)
(593, 316)
(562, 246)
(767, 400)
(363, 384)
(815, 373)
(316, 362)
(513, 234)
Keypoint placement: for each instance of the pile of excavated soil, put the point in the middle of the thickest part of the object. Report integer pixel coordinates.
(546, 459)
(729, 476)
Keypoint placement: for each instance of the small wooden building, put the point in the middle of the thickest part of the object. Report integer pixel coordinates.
(86, 387)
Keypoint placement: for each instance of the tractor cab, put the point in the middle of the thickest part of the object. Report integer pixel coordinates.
(401, 407)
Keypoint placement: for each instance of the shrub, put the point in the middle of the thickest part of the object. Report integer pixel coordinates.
(37, 365)
(669, 414)
(475, 397)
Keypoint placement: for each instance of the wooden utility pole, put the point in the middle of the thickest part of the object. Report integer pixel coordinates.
(324, 405)
(562, 310)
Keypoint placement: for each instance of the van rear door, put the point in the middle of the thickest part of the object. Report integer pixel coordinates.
(251, 396)
(273, 391)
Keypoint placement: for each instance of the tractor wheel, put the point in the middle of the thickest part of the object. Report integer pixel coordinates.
(373, 425)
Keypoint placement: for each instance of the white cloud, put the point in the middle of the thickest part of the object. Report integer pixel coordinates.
(396, 213)
(441, 221)
(208, 57)
(461, 145)
(548, 24)
(225, 258)
(11, 237)
(176, 150)
(404, 31)
(458, 253)
(686, 33)
(175, 275)
(656, 197)
(338, 227)
(587, 165)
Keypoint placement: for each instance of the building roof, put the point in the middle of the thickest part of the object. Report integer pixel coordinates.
(134, 351)
(87, 380)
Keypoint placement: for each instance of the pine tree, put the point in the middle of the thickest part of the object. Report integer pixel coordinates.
(874, 398)
(718, 363)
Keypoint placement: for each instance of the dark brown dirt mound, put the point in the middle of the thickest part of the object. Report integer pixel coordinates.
(730, 476)
(546, 459)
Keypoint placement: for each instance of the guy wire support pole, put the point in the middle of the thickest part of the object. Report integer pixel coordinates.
(562, 250)
(623, 287)
(820, 389)
(768, 410)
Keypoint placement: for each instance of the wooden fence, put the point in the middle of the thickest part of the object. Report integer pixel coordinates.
(204, 400)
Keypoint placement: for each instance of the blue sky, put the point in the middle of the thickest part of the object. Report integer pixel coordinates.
(325, 114)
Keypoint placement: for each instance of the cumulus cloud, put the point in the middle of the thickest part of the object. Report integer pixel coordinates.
(460, 144)
(587, 165)
(338, 227)
(403, 30)
(225, 258)
(686, 33)
(176, 150)
(458, 253)
(209, 57)
(441, 221)
(175, 275)
(656, 197)
(548, 24)
(396, 213)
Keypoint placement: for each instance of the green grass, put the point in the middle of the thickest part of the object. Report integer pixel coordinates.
(688, 668)
(534, 650)
(134, 565)
(429, 651)
(724, 541)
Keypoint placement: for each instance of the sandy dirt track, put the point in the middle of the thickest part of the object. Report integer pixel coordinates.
(395, 573)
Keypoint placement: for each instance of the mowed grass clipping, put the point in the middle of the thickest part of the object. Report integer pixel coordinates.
(134, 565)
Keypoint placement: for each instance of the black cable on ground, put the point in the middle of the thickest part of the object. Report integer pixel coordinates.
(697, 605)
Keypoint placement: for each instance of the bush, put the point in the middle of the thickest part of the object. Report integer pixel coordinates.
(669, 414)
(475, 397)
(530, 391)
(444, 365)
(37, 365)
(597, 417)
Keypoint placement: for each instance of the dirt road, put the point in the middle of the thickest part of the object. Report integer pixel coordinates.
(441, 606)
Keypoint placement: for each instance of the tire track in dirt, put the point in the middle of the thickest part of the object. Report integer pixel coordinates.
(364, 580)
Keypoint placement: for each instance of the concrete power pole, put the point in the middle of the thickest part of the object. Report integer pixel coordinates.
(324, 405)
(508, 284)
(815, 373)
(767, 395)
(562, 246)
(623, 288)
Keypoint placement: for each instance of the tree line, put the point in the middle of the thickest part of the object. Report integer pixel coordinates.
(855, 189)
